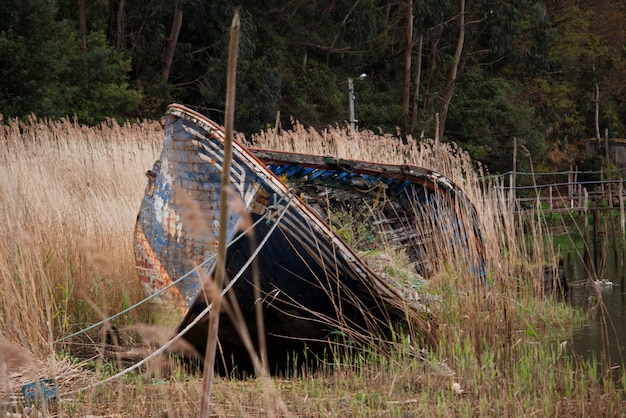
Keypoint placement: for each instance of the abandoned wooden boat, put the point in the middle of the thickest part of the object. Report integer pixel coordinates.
(313, 284)
(399, 206)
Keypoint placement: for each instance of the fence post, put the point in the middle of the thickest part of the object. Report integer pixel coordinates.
(570, 187)
(551, 206)
(608, 168)
(596, 241)
(513, 180)
(585, 213)
(579, 192)
(622, 223)
(621, 208)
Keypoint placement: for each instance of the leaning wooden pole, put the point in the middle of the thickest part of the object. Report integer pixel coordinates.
(209, 358)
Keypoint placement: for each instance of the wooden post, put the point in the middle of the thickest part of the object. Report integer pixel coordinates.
(570, 187)
(588, 239)
(586, 214)
(513, 180)
(622, 219)
(277, 128)
(551, 206)
(596, 241)
(580, 195)
(608, 168)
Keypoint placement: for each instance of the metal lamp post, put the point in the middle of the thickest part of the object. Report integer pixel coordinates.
(353, 119)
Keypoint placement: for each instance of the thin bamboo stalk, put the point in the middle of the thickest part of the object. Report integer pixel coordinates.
(209, 364)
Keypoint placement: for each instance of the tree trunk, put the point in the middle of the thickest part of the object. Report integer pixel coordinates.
(418, 80)
(171, 42)
(455, 67)
(406, 90)
(121, 30)
(597, 112)
(82, 19)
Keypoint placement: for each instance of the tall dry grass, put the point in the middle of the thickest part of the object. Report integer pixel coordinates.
(445, 158)
(515, 252)
(69, 197)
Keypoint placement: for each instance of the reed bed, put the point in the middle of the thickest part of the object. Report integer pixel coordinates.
(509, 261)
(69, 197)
(446, 158)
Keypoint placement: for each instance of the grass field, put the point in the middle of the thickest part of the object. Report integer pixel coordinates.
(69, 197)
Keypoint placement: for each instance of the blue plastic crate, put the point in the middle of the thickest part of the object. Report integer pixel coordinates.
(41, 390)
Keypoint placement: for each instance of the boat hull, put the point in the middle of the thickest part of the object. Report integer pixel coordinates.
(313, 286)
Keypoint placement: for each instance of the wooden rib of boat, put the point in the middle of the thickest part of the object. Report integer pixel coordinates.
(286, 215)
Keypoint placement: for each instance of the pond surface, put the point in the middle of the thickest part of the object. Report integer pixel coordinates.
(603, 337)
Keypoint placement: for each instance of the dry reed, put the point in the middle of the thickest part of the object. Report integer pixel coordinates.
(69, 197)
(510, 264)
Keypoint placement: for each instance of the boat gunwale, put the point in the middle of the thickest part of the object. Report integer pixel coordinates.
(213, 129)
(260, 158)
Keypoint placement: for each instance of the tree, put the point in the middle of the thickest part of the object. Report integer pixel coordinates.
(46, 69)
(406, 89)
(558, 61)
(489, 111)
(82, 19)
(418, 80)
(569, 90)
(96, 81)
(31, 58)
(177, 22)
(447, 98)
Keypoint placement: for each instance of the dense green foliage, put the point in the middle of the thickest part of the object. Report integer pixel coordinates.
(534, 70)
(44, 70)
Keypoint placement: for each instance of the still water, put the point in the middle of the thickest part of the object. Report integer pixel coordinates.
(603, 337)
